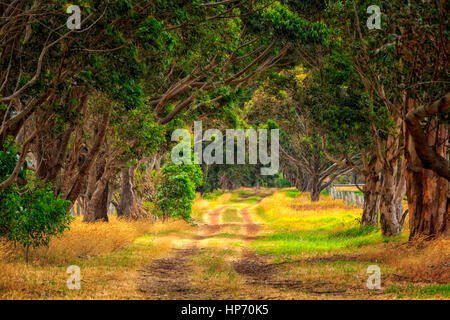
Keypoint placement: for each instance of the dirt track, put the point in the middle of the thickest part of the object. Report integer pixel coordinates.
(169, 277)
(172, 277)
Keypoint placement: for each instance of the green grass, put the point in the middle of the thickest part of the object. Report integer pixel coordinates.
(354, 232)
(441, 290)
(295, 235)
(237, 199)
(295, 242)
(231, 215)
(252, 199)
(240, 193)
(260, 212)
(292, 193)
(213, 195)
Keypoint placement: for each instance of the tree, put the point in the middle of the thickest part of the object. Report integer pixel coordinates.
(300, 141)
(403, 65)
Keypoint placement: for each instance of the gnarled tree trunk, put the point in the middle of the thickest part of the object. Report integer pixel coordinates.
(371, 199)
(97, 209)
(391, 206)
(97, 190)
(127, 194)
(393, 186)
(427, 192)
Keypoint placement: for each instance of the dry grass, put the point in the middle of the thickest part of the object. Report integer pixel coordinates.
(329, 246)
(315, 250)
(427, 261)
(108, 254)
(213, 269)
(287, 213)
(86, 240)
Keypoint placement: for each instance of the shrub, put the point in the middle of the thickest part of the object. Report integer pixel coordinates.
(30, 214)
(176, 192)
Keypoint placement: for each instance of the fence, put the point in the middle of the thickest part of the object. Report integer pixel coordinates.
(352, 198)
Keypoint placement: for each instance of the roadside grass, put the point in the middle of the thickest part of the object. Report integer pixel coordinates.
(324, 240)
(298, 242)
(108, 254)
(297, 225)
(292, 193)
(213, 195)
(421, 292)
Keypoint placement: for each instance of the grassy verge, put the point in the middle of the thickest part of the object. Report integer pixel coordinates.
(421, 292)
(324, 241)
(108, 254)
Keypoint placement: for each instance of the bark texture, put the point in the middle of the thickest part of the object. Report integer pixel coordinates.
(427, 192)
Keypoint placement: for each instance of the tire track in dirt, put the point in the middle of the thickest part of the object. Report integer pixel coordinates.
(213, 217)
(168, 278)
(257, 272)
(251, 227)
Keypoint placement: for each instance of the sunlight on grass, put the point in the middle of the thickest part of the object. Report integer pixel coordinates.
(108, 254)
(302, 226)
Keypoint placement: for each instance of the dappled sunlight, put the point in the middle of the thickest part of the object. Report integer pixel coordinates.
(289, 213)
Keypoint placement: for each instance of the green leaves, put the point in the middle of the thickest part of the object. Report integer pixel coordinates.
(35, 216)
(281, 22)
(31, 214)
(176, 192)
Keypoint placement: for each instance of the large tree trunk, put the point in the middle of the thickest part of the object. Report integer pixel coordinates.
(427, 192)
(389, 218)
(315, 195)
(96, 195)
(393, 185)
(97, 209)
(371, 199)
(315, 189)
(126, 194)
(391, 201)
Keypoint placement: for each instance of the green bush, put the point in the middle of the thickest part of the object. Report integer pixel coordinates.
(30, 214)
(176, 192)
(283, 183)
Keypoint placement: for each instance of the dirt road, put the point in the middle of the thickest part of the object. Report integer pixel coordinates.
(216, 261)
